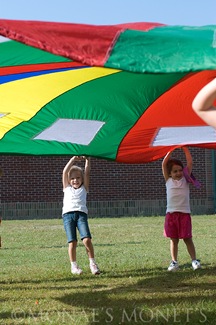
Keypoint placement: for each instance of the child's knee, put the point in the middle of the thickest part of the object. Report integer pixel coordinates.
(87, 241)
(73, 244)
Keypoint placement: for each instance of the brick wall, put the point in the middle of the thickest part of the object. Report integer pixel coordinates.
(31, 186)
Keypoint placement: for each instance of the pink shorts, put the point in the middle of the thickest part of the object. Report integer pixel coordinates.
(178, 225)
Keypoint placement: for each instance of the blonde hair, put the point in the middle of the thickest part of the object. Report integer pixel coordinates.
(75, 169)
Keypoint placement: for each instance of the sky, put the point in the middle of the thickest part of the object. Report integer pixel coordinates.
(110, 12)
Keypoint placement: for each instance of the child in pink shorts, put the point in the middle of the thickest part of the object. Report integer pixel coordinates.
(178, 214)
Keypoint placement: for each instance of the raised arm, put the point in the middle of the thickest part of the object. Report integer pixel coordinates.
(65, 180)
(189, 159)
(164, 165)
(87, 173)
(204, 101)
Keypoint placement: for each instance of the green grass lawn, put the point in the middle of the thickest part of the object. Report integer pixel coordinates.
(36, 286)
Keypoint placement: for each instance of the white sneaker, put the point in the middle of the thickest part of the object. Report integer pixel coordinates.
(196, 265)
(173, 266)
(94, 269)
(76, 270)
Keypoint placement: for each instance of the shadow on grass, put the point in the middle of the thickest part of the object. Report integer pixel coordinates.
(207, 269)
(125, 243)
(160, 297)
(48, 283)
(29, 247)
(152, 296)
(66, 245)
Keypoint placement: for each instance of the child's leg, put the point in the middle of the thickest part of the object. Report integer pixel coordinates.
(85, 234)
(190, 247)
(174, 248)
(70, 229)
(72, 251)
(72, 256)
(89, 247)
(90, 251)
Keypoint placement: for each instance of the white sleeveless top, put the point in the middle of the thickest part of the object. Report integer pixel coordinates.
(74, 199)
(178, 195)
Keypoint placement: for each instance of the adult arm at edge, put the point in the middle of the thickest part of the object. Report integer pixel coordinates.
(203, 103)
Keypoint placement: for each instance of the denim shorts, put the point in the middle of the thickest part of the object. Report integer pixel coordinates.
(76, 220)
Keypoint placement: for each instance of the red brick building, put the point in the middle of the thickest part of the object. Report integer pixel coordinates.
(31, 186)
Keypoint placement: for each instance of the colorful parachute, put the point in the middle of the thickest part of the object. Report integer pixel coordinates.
(120, 92)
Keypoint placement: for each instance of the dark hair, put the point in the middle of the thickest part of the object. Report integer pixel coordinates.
(171, 162)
